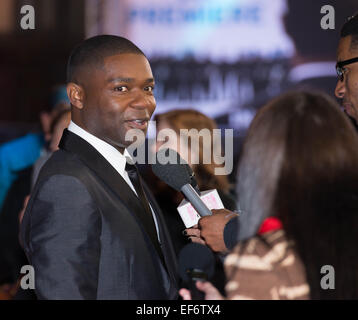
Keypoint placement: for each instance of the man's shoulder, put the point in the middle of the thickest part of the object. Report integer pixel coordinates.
(62, 175)
(62, 163)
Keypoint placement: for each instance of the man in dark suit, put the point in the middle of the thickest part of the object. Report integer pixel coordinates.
(91, 229)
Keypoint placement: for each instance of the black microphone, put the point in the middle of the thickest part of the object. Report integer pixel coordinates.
(196, 263)
(177, 174)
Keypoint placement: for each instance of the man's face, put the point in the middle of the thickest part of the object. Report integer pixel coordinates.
(348, 88)
(118, 97)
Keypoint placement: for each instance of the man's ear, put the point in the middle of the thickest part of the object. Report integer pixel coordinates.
(76, 94)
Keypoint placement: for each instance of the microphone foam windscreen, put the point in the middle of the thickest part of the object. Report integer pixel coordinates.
(172, 169)
(196, 256)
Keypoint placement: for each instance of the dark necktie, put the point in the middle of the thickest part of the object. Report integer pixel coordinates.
(145, 215)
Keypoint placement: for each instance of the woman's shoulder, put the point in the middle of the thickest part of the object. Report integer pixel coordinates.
(266, 267)
(261, 252)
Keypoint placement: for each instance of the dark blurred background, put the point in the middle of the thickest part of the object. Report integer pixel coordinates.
(224, 58)
(32, 62)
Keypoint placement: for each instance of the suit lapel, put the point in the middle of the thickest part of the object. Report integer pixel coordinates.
(103, 169)
(167, 247)
(96, 162)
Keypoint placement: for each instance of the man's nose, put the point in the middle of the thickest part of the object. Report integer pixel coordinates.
(340, 89)
(141, 100)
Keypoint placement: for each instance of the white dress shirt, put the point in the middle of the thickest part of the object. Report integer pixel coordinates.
(116, 159)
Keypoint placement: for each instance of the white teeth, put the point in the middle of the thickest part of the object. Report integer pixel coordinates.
(138, 121)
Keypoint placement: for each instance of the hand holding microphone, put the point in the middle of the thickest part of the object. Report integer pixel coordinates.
(216, 231)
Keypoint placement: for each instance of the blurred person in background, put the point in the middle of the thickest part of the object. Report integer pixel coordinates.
(298, 189)
(20, 154)
(168, 198)
(60, 122)
(18, 162)
(347, 68)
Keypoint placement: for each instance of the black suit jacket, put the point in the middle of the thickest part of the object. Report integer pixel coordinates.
(82, 236)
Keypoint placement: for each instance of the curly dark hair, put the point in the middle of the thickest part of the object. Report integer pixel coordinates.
(350, 28)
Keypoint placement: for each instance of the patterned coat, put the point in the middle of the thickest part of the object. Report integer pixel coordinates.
(265, 267)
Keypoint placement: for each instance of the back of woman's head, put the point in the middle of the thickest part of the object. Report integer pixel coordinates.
(300, 162)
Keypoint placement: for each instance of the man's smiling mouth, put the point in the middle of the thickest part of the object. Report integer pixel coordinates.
(140, 123)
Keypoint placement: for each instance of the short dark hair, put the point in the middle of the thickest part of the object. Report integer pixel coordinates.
(92, 51)
(350, 28)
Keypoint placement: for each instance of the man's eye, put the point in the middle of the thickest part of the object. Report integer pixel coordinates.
(121, 88)
(149, 88)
